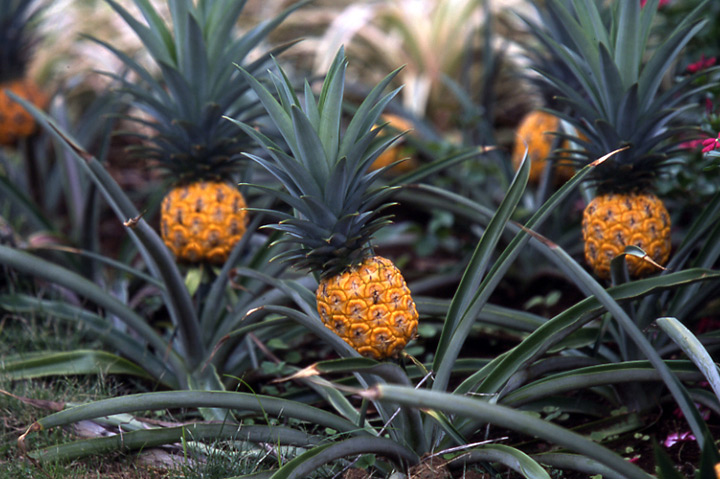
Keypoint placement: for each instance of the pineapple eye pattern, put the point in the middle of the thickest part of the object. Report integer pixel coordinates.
(370, 307)
(612, 222)
(203, 221)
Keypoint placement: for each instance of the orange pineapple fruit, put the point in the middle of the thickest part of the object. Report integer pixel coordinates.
(203, 215)
(370, 307)
(398, 150)
(15, 121)
(627, 110)
(202, 221)
(535, 132)
(362, 297)
(18, 36)
(613, 221)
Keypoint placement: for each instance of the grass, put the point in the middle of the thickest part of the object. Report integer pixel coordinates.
(23, 402)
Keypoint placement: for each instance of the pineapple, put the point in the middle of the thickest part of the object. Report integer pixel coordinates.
(203, 220)
(535, 132)
(612, 221)
(361, 296)
(398, 157)
(203, 214)
(619, 104)
(17, 18)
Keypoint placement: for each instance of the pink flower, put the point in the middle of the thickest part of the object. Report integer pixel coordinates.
(691, 144)
(676, 437)
(710, 144)
(661, 4)
(701, 64)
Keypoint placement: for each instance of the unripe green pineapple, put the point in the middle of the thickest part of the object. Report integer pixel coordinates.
(362, 297)
(613, 221)
(17, 18)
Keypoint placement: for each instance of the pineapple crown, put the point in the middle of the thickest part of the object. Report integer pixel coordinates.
(325, 174)
(197, 84)
(17, 36)
(619, 101)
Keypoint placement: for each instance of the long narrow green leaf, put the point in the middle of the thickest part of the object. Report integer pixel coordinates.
(502, 416)
(427, 169)
(150, 38)
(30, 211)
(40, 268)
(606, 374)
(511, 457)
(310, 148)
(628, 47)
(475, 270)
(697, 425)
(68, 363)
(143, 439)
(102, 330)
(589, 17)
(264, 406)
(444, 363)
(577, 462)
(118, 265)
(303, 465)
(662, 59)
(179, 302)
(498, 371)
(156, 253)
(279, 116)
(157, 24)
(694, 350)
(330, 105)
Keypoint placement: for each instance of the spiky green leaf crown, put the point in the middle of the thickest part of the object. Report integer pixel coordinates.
(325, 174)
(619, 101)
(197, 83)
(18, 19)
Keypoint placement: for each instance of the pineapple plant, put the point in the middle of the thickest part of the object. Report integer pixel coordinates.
(17, 21)
(361, 296)
(203, 215)
(620, 104)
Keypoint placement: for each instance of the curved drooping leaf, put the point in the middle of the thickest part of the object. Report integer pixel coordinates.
(143, 439)
(68, 363)
(485, 412)
(301, 466)
(694, 350)
(510, 457)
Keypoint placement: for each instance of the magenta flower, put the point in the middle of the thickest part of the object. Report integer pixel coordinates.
(701, 64)
(661, 4)
(710, 144)
(676, 437)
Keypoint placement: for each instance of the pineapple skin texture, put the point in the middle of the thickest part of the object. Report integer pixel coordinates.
(612, 221)
(370, 307)
(202, 222)
(535, 131)
(15, 121)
